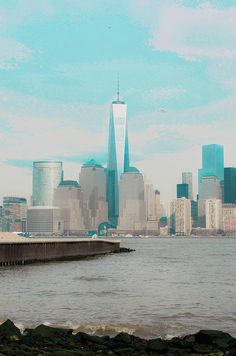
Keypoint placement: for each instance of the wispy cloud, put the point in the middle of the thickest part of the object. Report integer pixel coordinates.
(165, 93)
(34, 128)
(203, 31)
(12, 53)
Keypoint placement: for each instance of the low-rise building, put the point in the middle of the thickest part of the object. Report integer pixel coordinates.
(14, 214)
(44, 220)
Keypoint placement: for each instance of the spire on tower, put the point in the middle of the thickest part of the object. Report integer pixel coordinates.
(118, 87)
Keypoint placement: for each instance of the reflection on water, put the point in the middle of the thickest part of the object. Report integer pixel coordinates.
(169, 286)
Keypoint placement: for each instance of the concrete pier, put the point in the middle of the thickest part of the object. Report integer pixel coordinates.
(15, 250)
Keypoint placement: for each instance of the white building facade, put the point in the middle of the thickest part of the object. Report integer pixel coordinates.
(214, 219)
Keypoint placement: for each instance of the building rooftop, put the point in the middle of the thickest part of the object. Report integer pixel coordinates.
(47, 161)
(131, 169)
(92, 163)
(14, 200)
(118, 102)
(69, 183)
(43, 207)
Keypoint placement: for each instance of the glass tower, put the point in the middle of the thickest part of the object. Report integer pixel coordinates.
(212, 162)
(118, 155)
(46, 177)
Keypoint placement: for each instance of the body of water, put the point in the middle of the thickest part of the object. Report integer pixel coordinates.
(167, 287)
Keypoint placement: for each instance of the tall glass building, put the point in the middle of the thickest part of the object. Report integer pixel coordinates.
(212, 162)
(46, 177)
(118, 155)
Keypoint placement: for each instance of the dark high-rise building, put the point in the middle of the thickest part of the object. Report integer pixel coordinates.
(182, 191)
(230, 185)
(118, 155)
(194, 212)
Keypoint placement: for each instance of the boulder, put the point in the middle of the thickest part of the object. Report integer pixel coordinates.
(92, 339)
(44, 331)
(156, 345)
(123, 338)
(220, 339)
(8, 330)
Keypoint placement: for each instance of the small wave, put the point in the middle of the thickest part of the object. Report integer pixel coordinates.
(101, 329)
(112, 329)
(89, 279)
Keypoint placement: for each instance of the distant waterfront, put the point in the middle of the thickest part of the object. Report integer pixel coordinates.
(169, 286)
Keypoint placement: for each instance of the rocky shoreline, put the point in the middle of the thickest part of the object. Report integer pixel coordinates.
(46, 340)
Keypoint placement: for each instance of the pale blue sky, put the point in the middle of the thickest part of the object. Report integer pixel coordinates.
(59, 61)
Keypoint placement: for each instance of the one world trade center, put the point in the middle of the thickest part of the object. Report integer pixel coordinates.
(118, 155)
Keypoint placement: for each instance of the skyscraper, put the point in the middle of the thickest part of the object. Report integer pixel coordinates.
(214, 214)
(69, 198)
(212, 162)
(158, 206)
(230, 185)
(133, 214)
(187, 178)
(149, 196)
(210, 188)
(180, 222)
(46, 177)
(118, 154)
(93, 186)
(183, 191)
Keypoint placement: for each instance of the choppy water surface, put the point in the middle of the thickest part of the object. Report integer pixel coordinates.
(169, 286)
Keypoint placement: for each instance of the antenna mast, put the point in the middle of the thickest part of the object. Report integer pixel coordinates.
(118, 87)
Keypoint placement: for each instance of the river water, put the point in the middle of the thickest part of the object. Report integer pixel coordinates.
(167, 287)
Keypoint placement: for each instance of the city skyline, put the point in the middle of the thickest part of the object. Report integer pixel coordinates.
(55, 102)
(82, 207)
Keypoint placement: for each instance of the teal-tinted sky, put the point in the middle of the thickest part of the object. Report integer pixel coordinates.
(59, 61)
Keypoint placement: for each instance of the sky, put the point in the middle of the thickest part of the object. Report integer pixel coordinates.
(59, 61)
